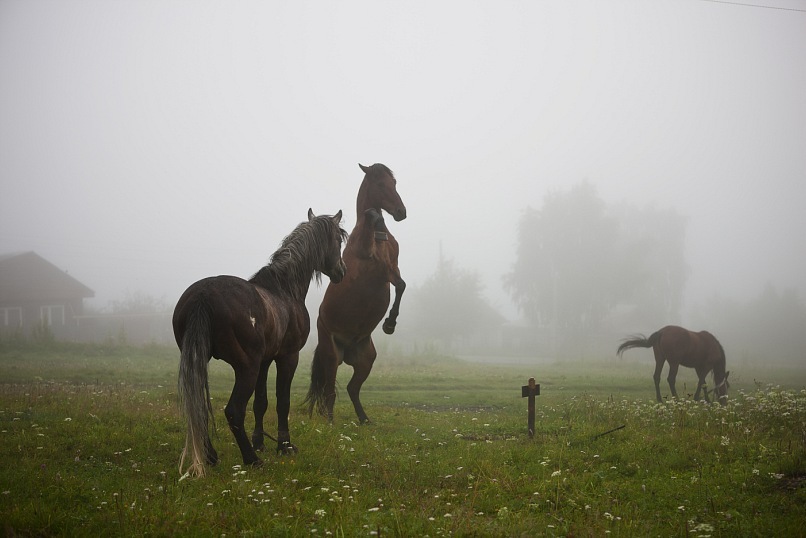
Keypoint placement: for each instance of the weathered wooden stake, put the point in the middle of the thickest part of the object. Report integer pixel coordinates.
(531, 390)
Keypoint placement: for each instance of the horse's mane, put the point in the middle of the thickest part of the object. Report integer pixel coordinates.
(292, 265)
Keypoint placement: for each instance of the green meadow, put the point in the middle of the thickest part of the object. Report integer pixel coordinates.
(90, 437)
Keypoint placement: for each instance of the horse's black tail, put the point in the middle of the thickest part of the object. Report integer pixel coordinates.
(638, 340)
(194, 390)
(321, 371)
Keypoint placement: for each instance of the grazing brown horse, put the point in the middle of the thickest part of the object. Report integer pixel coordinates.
(250, 324)
(679, 346)
(352, 309)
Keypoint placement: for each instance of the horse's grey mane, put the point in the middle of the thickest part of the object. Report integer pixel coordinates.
(300, 253)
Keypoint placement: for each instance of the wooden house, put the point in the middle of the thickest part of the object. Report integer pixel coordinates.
(35, 293)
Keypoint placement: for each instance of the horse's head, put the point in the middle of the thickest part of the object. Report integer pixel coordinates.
(379, 190)
(721, 389)
(333, 265)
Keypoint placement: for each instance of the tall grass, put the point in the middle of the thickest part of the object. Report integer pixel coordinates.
(90, 438)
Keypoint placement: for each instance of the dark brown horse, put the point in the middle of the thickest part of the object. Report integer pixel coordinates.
(352, 309)
(250, 324)
(679, 346)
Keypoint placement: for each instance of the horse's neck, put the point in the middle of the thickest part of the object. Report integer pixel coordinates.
(284, 280)
(363, 201)
(363, 238)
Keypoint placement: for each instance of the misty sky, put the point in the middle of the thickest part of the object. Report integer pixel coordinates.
(145, 145)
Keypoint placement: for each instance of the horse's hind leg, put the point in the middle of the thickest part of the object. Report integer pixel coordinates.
(656, 376)
(672, 377)
(362, 366)
(235, 412)
(322, 391)
(260, 405)
(212, 455)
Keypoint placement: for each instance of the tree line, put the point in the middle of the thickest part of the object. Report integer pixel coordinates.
(586, 272)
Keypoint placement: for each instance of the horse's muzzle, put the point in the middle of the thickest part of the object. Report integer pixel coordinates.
(338, 275)
(399, 214)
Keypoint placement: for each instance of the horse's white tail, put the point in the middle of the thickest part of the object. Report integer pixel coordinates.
(194, 391)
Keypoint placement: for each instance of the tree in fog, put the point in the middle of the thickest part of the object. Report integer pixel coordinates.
(768, 329)
(138, 303)
(653, 271)
(577, 259)
(563, 275)
(449, 306)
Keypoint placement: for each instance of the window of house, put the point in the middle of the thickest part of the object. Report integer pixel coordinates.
(11, 316)
(52, 315)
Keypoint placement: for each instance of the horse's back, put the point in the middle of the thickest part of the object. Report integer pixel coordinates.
(689, 348)
(215, 292)
(239, 311)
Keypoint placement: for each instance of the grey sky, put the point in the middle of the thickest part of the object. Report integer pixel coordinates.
(144, 145)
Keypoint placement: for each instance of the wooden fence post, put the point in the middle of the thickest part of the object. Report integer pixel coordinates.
(531, 390)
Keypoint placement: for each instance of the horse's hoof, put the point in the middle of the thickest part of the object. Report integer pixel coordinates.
(286, 448)
(256, 463)
(389, 326)
(257, 443)
(365, 421)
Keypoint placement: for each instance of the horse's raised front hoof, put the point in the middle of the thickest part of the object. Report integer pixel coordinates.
(285, 448)
(374, 216)
(389, 326)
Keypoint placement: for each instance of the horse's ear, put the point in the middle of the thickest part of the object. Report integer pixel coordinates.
(364, 168)
(337, 217)
(310, 214)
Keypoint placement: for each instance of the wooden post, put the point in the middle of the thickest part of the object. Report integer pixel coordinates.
(531, 390)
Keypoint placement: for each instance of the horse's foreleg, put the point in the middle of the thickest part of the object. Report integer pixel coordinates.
(672, 377)
(286, 366)
(702, 386)
(235, 412)
(362, 366)
(260, 405)
(391, 322)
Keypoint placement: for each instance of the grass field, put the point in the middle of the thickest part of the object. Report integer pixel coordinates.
(90, 439)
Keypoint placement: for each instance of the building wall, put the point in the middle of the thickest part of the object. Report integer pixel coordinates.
(24, 317)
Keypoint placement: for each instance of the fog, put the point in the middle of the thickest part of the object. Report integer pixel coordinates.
(145, 145)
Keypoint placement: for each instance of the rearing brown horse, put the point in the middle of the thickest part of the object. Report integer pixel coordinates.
(352, 309)
(679, 346)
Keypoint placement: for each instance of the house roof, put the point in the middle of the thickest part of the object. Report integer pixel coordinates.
(27, 277)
